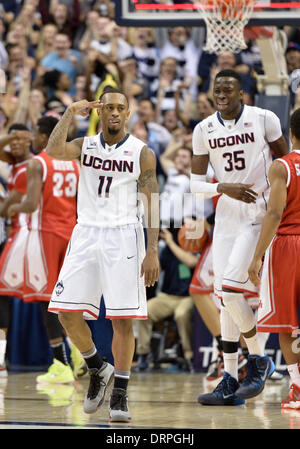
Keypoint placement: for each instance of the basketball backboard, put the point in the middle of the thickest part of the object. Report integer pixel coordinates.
(187, 13)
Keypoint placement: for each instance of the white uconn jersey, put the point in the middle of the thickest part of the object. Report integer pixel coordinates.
(239, 153)
(108, 182)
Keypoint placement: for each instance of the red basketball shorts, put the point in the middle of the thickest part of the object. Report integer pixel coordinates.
(44, 257)
(203, 277)
(280, 286)
(12, 264)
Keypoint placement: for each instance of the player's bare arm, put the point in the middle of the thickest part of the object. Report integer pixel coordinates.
(271, 221)
(14, 197)
(279, 147)
(238, 191)
(148, 186)
(30, 202)
(57, 146)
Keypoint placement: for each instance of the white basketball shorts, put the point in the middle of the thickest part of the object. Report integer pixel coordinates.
(234, 241)
(103, 261)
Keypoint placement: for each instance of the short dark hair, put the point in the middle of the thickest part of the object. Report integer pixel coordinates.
(148, 101)
(17, 127)
(46, 125)
(113, 90)
(230, 73)
(295, 123)
(51, 78)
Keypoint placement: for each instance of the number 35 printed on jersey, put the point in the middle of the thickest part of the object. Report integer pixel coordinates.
(235, 160)
(64, 184)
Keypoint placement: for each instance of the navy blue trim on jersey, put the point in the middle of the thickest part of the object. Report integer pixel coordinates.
(236, 119)
(118, 144)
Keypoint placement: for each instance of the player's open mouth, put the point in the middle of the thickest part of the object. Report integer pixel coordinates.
(222, 105)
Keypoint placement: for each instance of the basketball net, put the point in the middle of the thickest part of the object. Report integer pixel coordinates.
(225, 22)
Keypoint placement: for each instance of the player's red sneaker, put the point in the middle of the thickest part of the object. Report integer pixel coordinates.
(293, 399)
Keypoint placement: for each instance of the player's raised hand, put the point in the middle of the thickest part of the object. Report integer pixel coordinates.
(241, 192)
(84, 107)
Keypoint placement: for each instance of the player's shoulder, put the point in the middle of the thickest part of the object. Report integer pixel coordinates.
(135, 141)
(206, 123)
(261, 112)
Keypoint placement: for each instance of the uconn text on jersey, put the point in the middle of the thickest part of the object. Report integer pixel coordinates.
(107, 164)
(231, 140)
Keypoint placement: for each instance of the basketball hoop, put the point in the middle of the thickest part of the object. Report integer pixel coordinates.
(225, 22)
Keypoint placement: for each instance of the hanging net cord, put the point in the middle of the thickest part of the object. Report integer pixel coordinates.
(225, 22)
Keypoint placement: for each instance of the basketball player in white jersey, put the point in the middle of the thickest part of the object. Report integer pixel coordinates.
(237, 140)
(106, 253)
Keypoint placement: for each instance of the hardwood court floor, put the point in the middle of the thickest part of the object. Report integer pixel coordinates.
(157, 400)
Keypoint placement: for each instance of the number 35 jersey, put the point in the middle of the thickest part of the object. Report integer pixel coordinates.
(108, 183)
(57, 209)
(238, 150)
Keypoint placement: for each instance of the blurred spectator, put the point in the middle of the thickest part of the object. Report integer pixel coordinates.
(228, 60)
(65, 14)
(46, 43)
(17, 60)
(292, 56)
(106, 8)
(3, 122)
(31, 23)
(8, 10)
(163, 88)
(204, 108)
(158, 135)
(176, 162)
(181, 46)
(82, 93)
(170, 120)
(89, 31)
(135, 86)
(145, 52)
(64, 58)
(58, 84)
(3, 52)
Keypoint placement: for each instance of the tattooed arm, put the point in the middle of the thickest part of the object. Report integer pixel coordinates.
(148, 186)
(57, 146)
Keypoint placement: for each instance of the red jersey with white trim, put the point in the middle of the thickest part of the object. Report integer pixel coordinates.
(290, 221)
(17, 181)
(57, 209)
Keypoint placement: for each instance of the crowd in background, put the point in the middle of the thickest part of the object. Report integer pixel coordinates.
(55, 52)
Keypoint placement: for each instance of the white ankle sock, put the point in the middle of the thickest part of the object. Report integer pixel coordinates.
(231, 363)
(294, 372)
(253, 345)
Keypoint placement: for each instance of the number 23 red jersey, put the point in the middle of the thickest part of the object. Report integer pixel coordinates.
(57, 209)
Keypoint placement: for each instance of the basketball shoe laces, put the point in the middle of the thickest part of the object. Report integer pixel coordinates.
(226, 386)
(96, 382)
(254, 373)
(118, 400)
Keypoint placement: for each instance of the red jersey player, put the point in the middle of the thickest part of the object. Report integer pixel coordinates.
(50, 203)
(280, 242)
(12, 257)
(12, 253)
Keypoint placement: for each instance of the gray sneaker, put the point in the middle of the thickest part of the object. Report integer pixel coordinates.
(118, 406)
(99, 381)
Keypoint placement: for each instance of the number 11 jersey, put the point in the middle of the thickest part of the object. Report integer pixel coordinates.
(108, 184)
